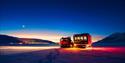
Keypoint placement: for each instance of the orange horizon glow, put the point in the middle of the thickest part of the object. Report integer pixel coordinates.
(52, 36)
(97, 38)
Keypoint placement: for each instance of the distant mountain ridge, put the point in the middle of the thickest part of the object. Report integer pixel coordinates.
(34, 40)
(5, 39)
(115, 39)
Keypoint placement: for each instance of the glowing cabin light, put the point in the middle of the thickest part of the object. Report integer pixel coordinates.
(78, 38)
(85, 38)
(75, 38)
(81, 38)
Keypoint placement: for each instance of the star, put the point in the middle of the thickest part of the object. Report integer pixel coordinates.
(23, 26)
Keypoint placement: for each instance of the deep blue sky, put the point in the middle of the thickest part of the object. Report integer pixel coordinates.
(77, 16)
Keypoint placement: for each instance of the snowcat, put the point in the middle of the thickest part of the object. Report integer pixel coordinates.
(82, 40)
(65, 42)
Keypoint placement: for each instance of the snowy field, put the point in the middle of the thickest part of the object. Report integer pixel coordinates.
(54, 54)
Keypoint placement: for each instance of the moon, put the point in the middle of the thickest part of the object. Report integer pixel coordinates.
(23, 26)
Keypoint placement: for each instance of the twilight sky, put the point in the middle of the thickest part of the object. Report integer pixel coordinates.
(52, 19)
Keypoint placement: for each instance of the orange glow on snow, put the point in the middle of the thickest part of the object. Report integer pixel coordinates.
(77, 49)
(89, 49)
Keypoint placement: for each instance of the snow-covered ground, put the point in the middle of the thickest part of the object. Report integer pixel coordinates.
(54, 54)
(7, 50)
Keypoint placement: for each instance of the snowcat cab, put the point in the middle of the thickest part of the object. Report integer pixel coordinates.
(66, 42)
(82, 40)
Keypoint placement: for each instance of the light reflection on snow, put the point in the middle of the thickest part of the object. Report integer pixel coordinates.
(28, 47)
(5, 50)
(92, 48)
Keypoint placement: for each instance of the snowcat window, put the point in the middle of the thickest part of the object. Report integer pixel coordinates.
(75, 38)
(85, 38)
(78, 38)
(81, 38)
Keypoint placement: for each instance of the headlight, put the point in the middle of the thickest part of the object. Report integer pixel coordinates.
(74, 44)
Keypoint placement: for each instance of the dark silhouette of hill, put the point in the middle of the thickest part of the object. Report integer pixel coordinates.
(115, 39)
(5, 39)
